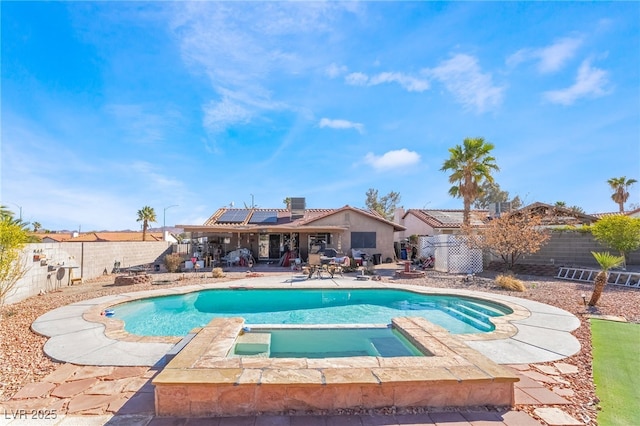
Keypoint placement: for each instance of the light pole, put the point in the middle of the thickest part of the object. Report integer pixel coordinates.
(164, 216)
(20, 207)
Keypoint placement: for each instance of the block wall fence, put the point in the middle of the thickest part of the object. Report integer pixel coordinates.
(571, 248)
(90, 259)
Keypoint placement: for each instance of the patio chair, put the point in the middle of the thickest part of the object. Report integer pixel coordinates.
(315, 265)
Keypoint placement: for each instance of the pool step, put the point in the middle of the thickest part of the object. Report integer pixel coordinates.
(389, 347)
(474, 312)
(253, 344)
(469, 319)
(487, 310)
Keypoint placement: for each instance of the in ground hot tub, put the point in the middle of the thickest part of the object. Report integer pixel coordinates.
(203, 380)
(324, 343)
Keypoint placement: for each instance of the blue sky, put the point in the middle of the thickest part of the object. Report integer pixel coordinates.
(111, 106)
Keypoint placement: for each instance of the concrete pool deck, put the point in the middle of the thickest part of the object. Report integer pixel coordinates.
(78, 334)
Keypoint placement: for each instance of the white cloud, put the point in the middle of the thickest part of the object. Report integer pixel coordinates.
(335, 70)
(550, 58)
(219, 115)
(590, 82)
(392, 159)
(138, 125)
(341, 124)
(462, 76)
(409, 83)
(240, 47)
(356, 79)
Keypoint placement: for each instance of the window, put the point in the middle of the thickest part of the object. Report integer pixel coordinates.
(363, 239)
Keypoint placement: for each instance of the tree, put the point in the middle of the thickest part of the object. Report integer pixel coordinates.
(574, 208)
(471, 165)
(385, 206)
(145, 215)
(36, 226)
(620, 188)
(287, 202)
(509, 236)
(13, 237)
(577, 209)
(490, 193)
(606, 262)
(618, 232)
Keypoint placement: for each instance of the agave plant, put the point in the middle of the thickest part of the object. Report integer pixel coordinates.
(606, 262)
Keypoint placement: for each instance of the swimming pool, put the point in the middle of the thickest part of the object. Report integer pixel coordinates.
(176, 315)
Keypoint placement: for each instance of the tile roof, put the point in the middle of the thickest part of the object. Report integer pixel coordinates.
(240, 219)
(632, 213)
(53, 236)
(448, 218)
(115, 236)
(554, 215)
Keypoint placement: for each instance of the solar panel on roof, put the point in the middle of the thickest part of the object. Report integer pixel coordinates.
(264, 216)
(233, 216)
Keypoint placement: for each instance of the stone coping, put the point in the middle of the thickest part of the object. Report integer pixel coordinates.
(114, 327)
(534, 332)
(191, 383)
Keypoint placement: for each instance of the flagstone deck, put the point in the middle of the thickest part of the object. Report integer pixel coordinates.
(202, 381)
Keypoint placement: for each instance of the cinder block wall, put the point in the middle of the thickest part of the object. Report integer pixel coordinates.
(571, 248)
(88, 260)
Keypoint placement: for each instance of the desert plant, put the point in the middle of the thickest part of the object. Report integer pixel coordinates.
(509, 237)
(217, 273)
(509, 282)
(606, 262)
(172, 262)
(618, 232)
(13, 237)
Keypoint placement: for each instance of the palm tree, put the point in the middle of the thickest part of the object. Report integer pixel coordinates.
(5, 212)
(606, 262)
(36, 226)
(146, 214)
(471, 165)
(620, 188)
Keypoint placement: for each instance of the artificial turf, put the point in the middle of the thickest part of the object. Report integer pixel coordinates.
(616, 371)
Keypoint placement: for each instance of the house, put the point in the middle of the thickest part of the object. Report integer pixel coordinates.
(269, 233)
(554, 216)
(51, 237)
(434, 222)
(113, 237)
(437, 222)
(631, 213)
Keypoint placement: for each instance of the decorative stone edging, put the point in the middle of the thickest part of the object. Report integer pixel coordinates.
(114, 328)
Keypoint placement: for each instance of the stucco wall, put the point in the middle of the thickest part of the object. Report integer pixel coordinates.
(360, 223)
(416, 226)
(91, 259)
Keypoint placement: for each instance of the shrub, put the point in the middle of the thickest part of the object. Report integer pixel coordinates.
(509, 282)
(217, 273)
(172, 262)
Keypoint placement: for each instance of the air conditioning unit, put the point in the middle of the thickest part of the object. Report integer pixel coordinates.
(298, 207)
(496, 209)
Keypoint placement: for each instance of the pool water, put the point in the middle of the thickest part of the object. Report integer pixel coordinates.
(176, 315)
(329, 343)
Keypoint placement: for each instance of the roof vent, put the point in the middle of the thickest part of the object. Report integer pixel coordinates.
(298, 206)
